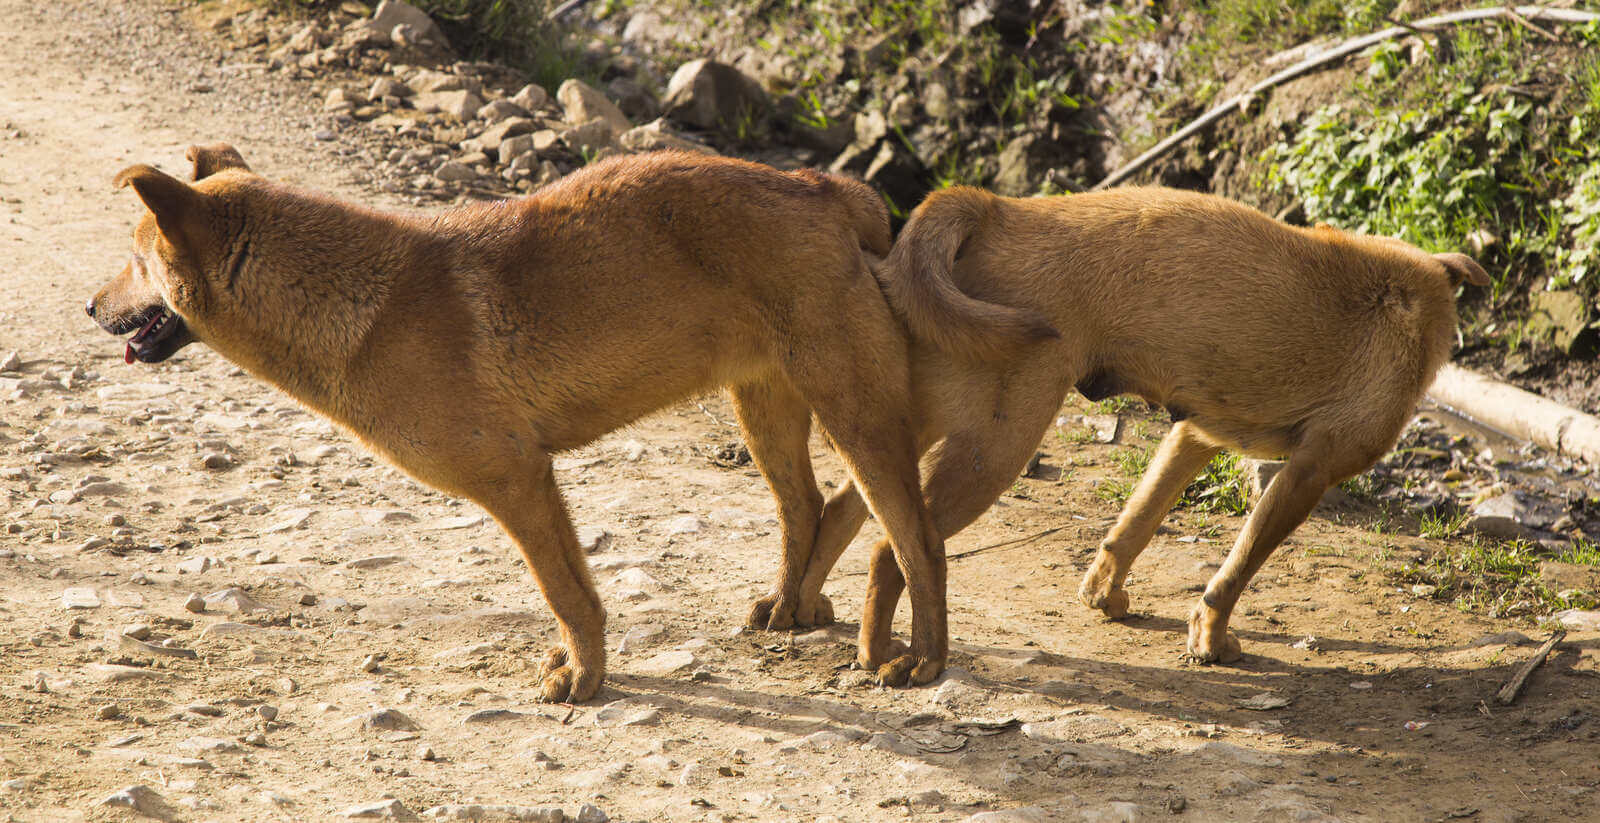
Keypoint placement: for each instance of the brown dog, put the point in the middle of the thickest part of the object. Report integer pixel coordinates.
(467, 347)
(1270, 340)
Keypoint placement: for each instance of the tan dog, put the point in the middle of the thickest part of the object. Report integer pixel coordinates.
(468, 347)
(1258, 337)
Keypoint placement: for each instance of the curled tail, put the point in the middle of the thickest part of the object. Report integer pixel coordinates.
(867, 212)
(916, 278)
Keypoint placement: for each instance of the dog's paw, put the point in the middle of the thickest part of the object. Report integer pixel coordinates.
(909, 670)
(1210, 643)
(816, 615)
(872, 659)
(560, 682)
(1098, 591)
(762, 612)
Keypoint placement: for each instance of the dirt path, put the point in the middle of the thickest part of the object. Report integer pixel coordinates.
(277, 716)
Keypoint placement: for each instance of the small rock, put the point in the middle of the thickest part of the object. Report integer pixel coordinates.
(495, 111)
(80, 597)
(706, 94)
(371, 664)
(531, 97)
(390, 809)
(454, 171)
(292, 519)
(267, 712)
(668, 663)
(216, 460)
(594, 539)
(687, 524)
(196, 565)
(639, 637)
(210, 744)
(590, 813)
(520, 814)
(234, 600)
(256, 739)
(1265, 701)
(195, 603)
(425, 753)
(626, 712)
(1579, 621)
(388, 720)
(93, 543)
(1026, 814)
(373, 562)
(1114, 812)
(1509, 516)
(583, 103)
(109, 711)
(141, 799)
(11, 362)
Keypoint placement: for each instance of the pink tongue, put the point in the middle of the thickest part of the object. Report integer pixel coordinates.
(127, 354)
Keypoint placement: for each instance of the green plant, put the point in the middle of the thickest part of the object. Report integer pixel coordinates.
(1441, 525)
(1221, 487)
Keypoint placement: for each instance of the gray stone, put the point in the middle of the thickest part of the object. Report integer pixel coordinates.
(1019, 171)
(234, 600)
(11, 362)
(80, 597)
(590, 813)
(668, 663)
(195, 603)
(392, 13)
(390, 809)
(1115, 812)
(654, 136)
(1578, 620)
(1026, 814)
(519, 814)
(376, 561)
(1509, 516)
(1073, 728)
(495, 111)
(589, 137)
(582, 103)
(531, 97)
(513, 147)
(460, 103)
(388, 720)
(709, 95)
(388, 87)
(454, 171)
(141, 799)
(628, 711)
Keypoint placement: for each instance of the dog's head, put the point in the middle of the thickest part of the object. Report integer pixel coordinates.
(180, 257)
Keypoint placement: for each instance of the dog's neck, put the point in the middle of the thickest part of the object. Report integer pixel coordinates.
(313, 277)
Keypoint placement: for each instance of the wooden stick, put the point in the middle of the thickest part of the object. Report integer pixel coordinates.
(1336, 53)
(1513, 687)
(1527, 24)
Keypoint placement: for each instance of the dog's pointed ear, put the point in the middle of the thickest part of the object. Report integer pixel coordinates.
(1462, 268)
(214, 157)
(176, 205)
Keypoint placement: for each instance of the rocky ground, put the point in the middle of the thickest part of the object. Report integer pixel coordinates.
(214, 606)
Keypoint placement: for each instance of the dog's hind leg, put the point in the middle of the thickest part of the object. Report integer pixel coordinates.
(1182, 454)
(777, 428)
(967, 472)
(1289, 498)
(528, 505)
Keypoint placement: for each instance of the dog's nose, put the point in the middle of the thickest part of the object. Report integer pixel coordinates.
(88, 307)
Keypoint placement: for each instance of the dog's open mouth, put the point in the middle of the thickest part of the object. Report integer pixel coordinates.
(161, 333)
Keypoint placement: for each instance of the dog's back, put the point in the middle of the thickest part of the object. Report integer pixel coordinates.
(1215, 310)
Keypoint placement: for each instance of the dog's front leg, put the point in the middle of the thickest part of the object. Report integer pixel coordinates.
(1289, 498)
(528, 505)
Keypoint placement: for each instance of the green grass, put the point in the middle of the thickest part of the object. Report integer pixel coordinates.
(1500, 579)
(1220, 489)
(1437, 152)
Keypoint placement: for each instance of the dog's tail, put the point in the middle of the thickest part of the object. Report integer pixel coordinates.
(916, 278)
(867, 213)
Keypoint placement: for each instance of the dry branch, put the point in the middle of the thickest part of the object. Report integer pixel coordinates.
(1513, 687)
(1340, 51)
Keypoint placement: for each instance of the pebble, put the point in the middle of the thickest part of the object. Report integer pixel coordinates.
(1119, 811)
(92, 543)
(1026, 814)
(640, 636)
(80, 597)
(267, 712)
(426, 753)
(626, 712)
(292, 519)
(234, 600)
(75, 628)
(687, 524)
(374, 562)
(141, 799)
(390, 809)
(11, 362)
(109, 711)
(195, 603)
(196, 565)
(256, 739)
(590, 813)
(216, 460)
(137, 631)
(474, 811)
(668, 663)
(371, 664)
(389, 720)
